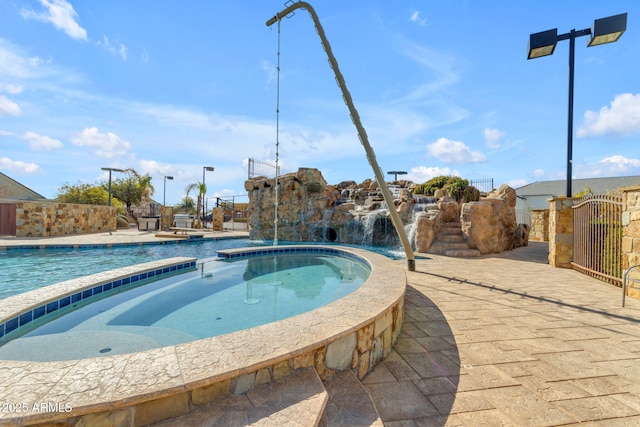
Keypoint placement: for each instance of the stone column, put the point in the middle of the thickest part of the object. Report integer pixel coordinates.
(166, 217)
(539, 225)
(217, 223)
(631, 234)
(561, 232)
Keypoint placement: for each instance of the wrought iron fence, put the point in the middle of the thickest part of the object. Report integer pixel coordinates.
(523, 216)
(262, 168)
(484, 185)
(597, 237)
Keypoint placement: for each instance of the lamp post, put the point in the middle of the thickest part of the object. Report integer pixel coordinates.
(604, 30)
(205, 169)
(396, 173)
(111, 170)
(164, 196)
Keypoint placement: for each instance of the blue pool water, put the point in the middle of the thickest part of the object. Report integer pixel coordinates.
(218, 298)
(23, 270)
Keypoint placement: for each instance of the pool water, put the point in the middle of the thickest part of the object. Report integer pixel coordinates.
(23, 270)
(220, 297)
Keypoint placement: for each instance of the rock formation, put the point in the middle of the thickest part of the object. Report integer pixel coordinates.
(310, 210)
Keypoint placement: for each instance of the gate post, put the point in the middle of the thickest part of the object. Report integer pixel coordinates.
(630, 227)
(561, 232)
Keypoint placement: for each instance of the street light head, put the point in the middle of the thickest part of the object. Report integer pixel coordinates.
(209, 168)
(608, 30)
(169, 177)
(542, 44)
(113, 169)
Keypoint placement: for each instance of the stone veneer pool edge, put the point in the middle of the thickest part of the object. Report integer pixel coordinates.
(355, 332)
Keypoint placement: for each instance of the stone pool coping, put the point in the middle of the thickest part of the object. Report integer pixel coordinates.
(355, 333)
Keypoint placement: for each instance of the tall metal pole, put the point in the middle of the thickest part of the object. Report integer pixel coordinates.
(164, 197)
(109, 187)
(572, 49)
(362, 134)
(204, 168)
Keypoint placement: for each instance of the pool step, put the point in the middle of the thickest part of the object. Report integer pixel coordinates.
(349, 403)
(296, 400)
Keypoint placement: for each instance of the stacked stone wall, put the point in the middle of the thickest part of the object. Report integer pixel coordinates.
(48, 219)
(561, 232)
(539, 225)
(631, 234)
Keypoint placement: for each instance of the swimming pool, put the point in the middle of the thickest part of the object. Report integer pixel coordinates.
(25, 269)
(217, 298)
(22, 270)
(355, 332)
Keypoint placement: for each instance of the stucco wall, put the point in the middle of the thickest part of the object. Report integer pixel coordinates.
(45, 219)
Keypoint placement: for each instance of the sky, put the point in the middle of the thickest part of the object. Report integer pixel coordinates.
(442, 87)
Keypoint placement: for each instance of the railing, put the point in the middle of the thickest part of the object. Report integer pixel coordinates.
(597, 237)
(484, 185)
(523, 216)
(262, 168)
(235, 212)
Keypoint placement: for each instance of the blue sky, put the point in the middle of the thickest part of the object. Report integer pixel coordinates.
(442, 87)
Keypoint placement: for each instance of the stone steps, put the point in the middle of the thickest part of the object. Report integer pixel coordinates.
(451, 238)
(300, 399)
(462, 253)
(349, 403)
(449, 241)
(296, 400)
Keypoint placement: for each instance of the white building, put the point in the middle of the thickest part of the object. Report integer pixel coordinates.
(537, 194)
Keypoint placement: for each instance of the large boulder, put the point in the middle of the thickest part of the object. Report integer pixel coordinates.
(449, 209)
(490, 224)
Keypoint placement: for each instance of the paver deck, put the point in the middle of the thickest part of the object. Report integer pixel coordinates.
(503, 340)
(507, 340)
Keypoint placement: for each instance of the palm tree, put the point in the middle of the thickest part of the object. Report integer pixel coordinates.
(202, 190)
(187, 204)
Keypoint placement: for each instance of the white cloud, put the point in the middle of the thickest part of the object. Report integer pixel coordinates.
(538, 173)
(443, 67)
(620, 164)
(270, 69)
(107, 145)
(41, 142)
(423, 174)
(18, 166)
(154, 168)
(15, 64)
(117, 49)
(493, 137)
(61, 14)
(449, 151)
(8, 107)
(415, 17)
(621, 118)
(11, 88)
(176, 116)
(516, 183)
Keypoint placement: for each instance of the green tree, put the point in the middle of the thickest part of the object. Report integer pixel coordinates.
(187, 204)
(457, 187)
(87, 194)
(82, 193)
(202, 190)
(131, 190)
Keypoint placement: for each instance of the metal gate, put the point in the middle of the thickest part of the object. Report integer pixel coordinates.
(7, 219)
(597, 237)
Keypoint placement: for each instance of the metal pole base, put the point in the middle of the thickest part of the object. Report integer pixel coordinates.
(411, 264)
